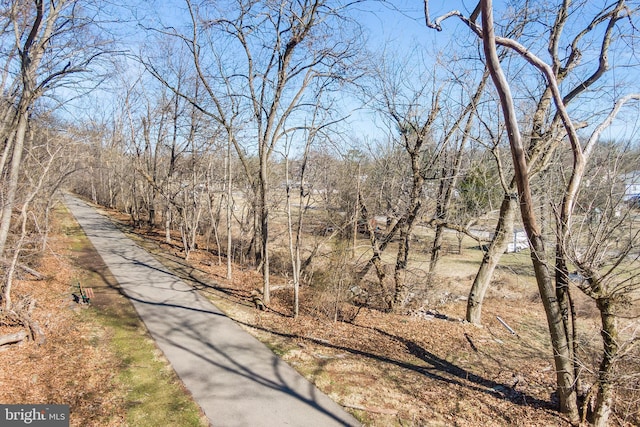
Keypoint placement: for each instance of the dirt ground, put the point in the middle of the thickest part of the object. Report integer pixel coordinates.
(74, 366)
(425, 369)
(98, 358)
(422, 368)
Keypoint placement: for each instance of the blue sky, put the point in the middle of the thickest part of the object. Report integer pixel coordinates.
(397, 26)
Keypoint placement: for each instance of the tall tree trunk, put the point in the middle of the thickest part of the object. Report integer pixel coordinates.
(451, 174)
(564, 298)
(7, 149)
(14, 175)
(376, 258)
(546, 287)
(151, 222)
(402, 257)
(294, 240)
(229, 207)
(264, 230)
(399, 295)
(442, 208)
(167, 223)
(436, 249)
(562, 349)
(499, 243)
(605, 383)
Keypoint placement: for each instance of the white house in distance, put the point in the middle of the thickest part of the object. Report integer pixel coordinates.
(631, 186)
(519, 242)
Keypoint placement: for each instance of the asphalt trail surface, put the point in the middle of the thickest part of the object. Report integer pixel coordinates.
(236, 380)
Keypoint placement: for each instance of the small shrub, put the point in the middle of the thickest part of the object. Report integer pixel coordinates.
(331, 289)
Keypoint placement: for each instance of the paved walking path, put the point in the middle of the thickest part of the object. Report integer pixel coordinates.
(235, 379)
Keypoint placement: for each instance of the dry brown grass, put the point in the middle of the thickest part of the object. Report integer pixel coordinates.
(422, 368)
(99, 360)
(74, 366)
(397, 369)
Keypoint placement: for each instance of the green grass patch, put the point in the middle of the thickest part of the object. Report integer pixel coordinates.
(145, 382)
(153, 393)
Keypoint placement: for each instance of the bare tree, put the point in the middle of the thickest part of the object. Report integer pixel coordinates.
(434, 144)
(460, 132)
(46, 52)
(294, 229)
(277, 56)
(610, 275)
(40, 165)
(544, 130)
(43, 53)
(554, 294)
(318, 126)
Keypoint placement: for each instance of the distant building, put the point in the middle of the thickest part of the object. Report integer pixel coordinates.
(631, 185)
(518, 242)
